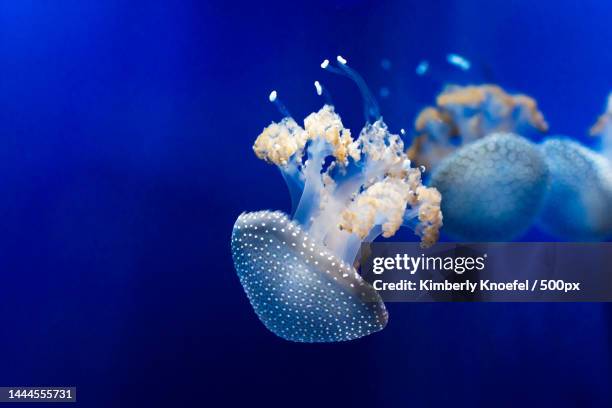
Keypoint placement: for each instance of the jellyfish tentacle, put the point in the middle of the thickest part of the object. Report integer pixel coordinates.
(371, 111)
(283, 144)
(322, 91)
(273, 97)
(307, 209)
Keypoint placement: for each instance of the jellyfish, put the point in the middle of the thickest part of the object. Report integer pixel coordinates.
(577, 206)
(464, 114)
(493, 188)
(298, 272)
(481, 181)
(578, 203)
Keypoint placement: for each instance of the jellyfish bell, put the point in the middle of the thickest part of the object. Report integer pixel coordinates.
(299, 289)
(492, 188)
(581, 179)
(578, 202)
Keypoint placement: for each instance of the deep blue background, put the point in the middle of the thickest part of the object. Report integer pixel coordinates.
(125, 156)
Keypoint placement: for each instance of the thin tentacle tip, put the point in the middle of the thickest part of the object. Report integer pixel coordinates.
(273, 95)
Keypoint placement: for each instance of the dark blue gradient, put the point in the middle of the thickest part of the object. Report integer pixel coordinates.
(125, 154)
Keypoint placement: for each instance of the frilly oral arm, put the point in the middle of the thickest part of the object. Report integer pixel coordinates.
(471, 112)
(363, 192)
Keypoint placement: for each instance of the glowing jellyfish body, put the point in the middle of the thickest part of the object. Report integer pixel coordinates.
(299, 290)
(298, 273)
(492, 188)
(578, 205)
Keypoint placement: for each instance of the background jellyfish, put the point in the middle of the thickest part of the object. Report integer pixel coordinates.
(298, 273)
(492, 188)
(578, 204)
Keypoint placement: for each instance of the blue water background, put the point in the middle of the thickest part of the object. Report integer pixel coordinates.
(125, 157)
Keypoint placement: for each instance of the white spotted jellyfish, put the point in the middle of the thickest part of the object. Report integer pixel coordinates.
(493, 188)
(298, 272)
(493, 180)
(579, 202)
